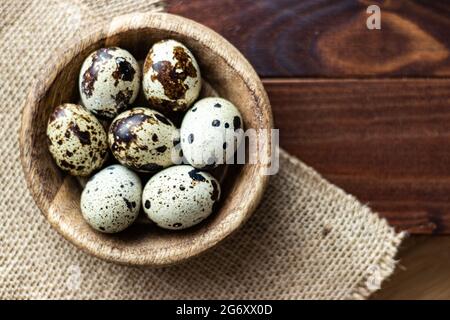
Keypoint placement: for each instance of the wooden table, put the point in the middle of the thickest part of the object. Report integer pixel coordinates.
(368, 109)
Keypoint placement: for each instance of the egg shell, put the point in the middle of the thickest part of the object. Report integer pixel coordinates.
(180, 197)
(144, 140)
(77, 140)
(111, 200)
(211, 132)
(171, 78)
(109, 81)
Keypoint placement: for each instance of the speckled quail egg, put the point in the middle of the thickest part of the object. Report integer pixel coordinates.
(143, 139)
(111, 200)
(180, 197)
(109, 81)
(171, 78)
(77, 140)
(211, 132)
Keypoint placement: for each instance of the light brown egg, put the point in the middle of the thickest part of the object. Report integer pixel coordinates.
(77, 140)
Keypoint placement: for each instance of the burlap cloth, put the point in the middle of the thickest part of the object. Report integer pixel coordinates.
(308, 239)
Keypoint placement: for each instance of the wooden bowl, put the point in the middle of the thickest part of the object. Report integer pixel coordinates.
(58, 194)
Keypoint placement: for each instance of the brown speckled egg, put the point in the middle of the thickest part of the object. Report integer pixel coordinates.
(171, 78)
(180, 197)
(109, 81)
(111, 200)
(143, 140)
(77, 140)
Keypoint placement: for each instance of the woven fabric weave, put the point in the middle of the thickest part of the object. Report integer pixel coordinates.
(308, 239)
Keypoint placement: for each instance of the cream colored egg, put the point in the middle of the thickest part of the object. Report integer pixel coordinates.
(109, 81)
(171, 77)
(111, 200)
(211, 132)
(180, 197)
(143, 140)
(77, 140)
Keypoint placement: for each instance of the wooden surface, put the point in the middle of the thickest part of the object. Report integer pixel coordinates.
(369, 109)
(57, 194)
(423, 271)
(329, 38)
(342, 106)
(385, 141)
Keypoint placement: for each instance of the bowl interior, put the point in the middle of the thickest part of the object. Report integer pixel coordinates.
(58, 194)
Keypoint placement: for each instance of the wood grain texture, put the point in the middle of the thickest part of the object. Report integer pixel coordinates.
(291, 38)
(423, 271)
(385, 141)
(57, 194)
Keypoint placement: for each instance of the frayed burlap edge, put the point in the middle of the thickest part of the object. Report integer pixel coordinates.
(387, 262)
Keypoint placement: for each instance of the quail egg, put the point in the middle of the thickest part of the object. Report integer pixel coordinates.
(109, 81)
(77, 140)
(143, 140)
(180, 197)
(111, 200)
(211, 132)
(171, 78)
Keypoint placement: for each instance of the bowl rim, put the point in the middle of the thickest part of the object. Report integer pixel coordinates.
(102, 31)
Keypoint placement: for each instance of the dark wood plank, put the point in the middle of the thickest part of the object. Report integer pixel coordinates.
(329, 38)
(386, 141)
